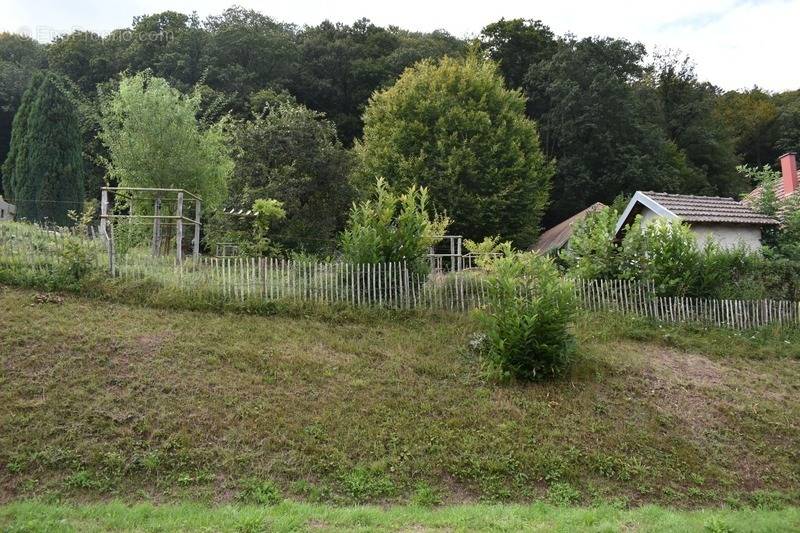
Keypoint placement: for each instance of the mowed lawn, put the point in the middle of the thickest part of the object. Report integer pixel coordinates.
(103, 401)
(289, 516)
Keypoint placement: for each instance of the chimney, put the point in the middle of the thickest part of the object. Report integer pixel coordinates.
(789, 172)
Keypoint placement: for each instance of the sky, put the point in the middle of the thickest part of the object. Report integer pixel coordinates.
(736, 44)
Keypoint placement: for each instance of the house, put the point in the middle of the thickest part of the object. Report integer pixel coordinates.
(727, 221)
(7, 210)
(787, 185)
(558, 236)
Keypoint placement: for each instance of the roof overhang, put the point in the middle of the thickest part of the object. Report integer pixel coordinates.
(641, 198)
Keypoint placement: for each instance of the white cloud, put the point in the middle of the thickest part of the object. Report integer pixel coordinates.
(735, 43)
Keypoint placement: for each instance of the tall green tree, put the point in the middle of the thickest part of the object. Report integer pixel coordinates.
(453, 127)
(750, 117)
(340, 66)
(20, 58)
(516, 45)
(787, 124)
(44, 170)
(691, 122)
(598, 125)
(248, 51)
(82, 56)
(154, 139)
(291, 154)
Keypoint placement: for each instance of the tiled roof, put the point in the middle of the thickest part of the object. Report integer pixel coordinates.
(779, 191)
(710, 209)
(558, 235)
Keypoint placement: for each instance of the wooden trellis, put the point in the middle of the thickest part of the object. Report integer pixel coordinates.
(158, 196)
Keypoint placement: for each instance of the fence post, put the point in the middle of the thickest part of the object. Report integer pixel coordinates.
(103, 211)
(157, 226)
(179, 228)
(196, 245)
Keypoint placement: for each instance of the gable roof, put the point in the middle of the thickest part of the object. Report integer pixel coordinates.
(688, 208)
(558, 235)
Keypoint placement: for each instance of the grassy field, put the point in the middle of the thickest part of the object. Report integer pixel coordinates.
(33, 516)
(104, 401)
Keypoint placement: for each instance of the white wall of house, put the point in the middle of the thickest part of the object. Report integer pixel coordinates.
(727, 236)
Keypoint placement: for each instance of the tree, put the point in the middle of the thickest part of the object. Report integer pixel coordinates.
(81, 56)
(787, 124)
(453, 127)
(154, 139)
(341, 65)
(248, 51)
(691, 121)
(291, 154)
(750, 117)
(20, 58)
(596, 121)
(516, 45)
(43, 173)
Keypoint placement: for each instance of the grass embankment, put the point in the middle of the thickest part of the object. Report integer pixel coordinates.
(31, 516)
(102, 400)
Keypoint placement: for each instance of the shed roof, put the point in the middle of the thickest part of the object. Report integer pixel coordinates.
(710, 209)
(558, 235)
(696, 209)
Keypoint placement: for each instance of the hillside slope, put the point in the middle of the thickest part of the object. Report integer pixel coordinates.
(107, 400)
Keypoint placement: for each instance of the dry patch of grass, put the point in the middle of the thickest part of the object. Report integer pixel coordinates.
(108, 400)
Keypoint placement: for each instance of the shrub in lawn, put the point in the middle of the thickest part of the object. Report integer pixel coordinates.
(530, 308)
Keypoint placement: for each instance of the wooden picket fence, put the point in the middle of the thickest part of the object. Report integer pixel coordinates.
(387, 285)
(390, 285)
(394, 285)
(638, 298)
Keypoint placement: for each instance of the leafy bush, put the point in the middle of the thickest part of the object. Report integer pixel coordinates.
(250, 234)
(487, 250)
(528, 317)
(392, 227)
(664, 252)
(591, 252)
(76, 261)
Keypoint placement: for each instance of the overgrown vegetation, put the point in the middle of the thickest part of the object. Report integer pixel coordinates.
(667, 254)
(148, 403)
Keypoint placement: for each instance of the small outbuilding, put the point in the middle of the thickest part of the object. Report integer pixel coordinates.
(7, 210)
(558, 236)
(728, 222)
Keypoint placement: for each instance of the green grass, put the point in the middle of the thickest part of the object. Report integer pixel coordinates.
(103, 400)
(115, 516)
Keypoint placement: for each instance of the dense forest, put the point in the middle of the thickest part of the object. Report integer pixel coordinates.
(611, 118)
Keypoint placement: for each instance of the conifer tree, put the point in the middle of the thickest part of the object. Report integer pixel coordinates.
(17, 153)
(44, 170)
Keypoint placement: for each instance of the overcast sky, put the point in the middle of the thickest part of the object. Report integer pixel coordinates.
(735, 43)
